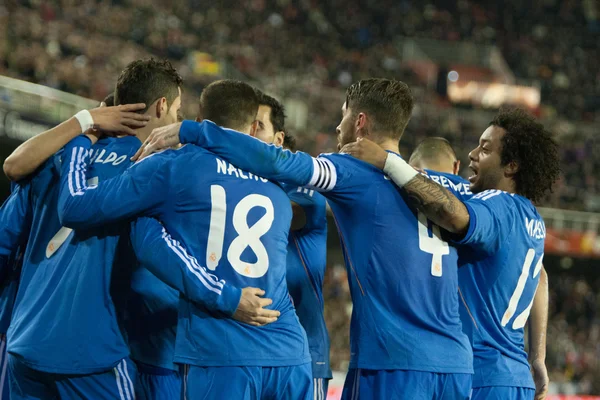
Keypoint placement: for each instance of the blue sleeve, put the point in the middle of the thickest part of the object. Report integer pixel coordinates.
(265, 160)
(15, 219)
(166, 258)
(491, 221)
(142, 189)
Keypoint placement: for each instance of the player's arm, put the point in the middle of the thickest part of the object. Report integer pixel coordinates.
(439, 204)
(15, 220)
(538, 326)
(170, 262)
(247, 153)
(34, 152)
(141, 189)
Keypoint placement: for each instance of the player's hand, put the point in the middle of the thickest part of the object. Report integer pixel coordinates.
(367, 151)
(540, 377)
(118, 120)
(160, 139)
(251, 308)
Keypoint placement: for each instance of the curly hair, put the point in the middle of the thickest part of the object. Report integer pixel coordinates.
(528, 144)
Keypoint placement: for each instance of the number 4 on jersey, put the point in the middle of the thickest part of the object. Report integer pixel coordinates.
(248, 236)
(433, 244)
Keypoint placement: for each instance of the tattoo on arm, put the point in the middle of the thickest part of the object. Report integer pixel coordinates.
(438, 204)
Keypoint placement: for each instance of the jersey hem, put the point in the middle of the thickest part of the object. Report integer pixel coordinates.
(437, 370)
(290, 362)
(503, 384)
(41, 367)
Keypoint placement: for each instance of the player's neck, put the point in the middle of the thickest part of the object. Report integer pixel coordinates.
(143, 133)
(507, 185)
(389, 144)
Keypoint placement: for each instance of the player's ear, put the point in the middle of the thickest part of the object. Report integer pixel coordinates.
(361, 125)
(511, 169)
(456, 167)
(254, 128)
(278, 139)
(161, 107)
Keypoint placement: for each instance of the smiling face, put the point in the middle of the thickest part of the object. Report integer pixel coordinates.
(486, 165)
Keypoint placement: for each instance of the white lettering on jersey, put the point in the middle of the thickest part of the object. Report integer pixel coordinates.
(461, 187)
(535, 228)
(112, 157)
(225, 168)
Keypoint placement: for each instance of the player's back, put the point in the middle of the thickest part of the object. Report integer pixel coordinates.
(238, 224)
(64, 319)
(498, 281)
(402, 276)
(306, 261)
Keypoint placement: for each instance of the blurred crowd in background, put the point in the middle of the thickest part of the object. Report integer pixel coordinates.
(312, 50)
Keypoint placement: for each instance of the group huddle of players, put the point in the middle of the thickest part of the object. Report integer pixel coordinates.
(151, 258)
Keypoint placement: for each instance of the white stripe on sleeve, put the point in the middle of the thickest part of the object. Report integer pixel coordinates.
(324, 175)
(207, 279)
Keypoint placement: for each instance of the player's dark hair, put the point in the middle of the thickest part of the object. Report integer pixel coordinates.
(229, 103)
(531, 146)
(431, 149)
(277, 110)
(289, 142)
(145, 81)
(109, 100)
(387, 102)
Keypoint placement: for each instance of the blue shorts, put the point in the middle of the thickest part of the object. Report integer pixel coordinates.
(367, 384)
(3, 368)
(157, 383)
(28, 384)
(503, 393)
(320, 386)
(248, 383)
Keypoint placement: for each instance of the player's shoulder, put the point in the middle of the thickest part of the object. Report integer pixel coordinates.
(508, 203)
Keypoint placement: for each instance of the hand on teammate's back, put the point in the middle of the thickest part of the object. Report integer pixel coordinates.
(540, 377)
(160, 139)
(367, 151)
(251, 308)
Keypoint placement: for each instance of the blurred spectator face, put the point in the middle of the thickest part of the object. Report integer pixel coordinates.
(266, 131)
(485, 161)
(346, 130)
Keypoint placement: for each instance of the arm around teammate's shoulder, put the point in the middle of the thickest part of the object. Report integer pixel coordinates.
(142, 189)
(35, 151)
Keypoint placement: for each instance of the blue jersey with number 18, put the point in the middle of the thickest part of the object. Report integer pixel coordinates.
(236, 222)
(501, 257)
(402, 275)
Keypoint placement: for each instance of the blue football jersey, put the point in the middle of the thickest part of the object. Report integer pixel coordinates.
(501, 258)
(402, 275)
(238, 221)
(306, 261)
(15, 221)
(64, 321)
